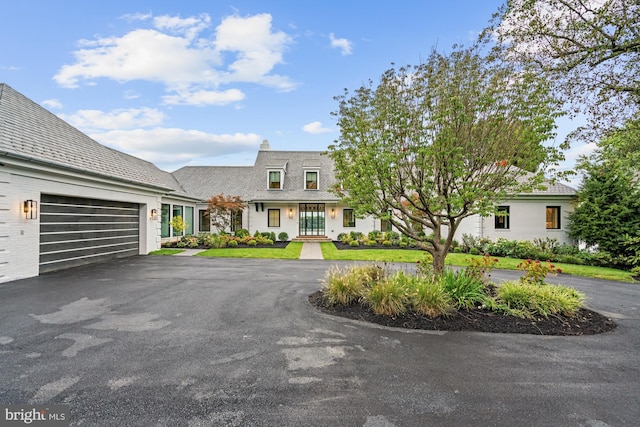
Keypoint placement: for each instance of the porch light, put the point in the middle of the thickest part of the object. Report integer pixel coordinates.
(154, 214)
(30, 209)
(333, 212)
(290, 212)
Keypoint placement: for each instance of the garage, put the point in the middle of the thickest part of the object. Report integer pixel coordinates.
(76, 231)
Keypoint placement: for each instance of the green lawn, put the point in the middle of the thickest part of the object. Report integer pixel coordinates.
(330, 252)
(292, 251)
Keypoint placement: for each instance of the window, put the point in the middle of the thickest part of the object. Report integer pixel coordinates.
(274, 218)
(275, 180)
(385, 225)
(164, 220)
(311, 180)
(348, 218)
(188, 217)
(236, 220)
(553, 217)
(177, 211)
(204, 220)
(502, 218)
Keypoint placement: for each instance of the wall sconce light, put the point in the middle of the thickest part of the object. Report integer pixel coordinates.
(290, 212)
(30, 209)
(333, 212)
(154, 214)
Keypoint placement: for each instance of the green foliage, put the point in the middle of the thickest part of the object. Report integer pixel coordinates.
(242, 232)
(188, 242)
(429, 297)
(354, 243)
(535, 272)
(232, 244)
(525, 299)
(178, 224)
(252, 242)
(283, 236)
(466, 291)
(389, 296)
(480, 268)
(347, 285)
(441, 141)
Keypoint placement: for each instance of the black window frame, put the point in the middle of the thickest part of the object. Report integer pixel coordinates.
(557, 217)
(501, 222)
(269, 224)
(348, 218)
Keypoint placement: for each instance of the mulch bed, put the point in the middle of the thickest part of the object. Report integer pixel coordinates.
(276, 245)
(340, 245)
(586, 322)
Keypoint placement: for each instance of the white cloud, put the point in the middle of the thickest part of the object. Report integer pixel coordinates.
(171, 146)
(185, 55)
(580, 150)
(205, 97)
(315, 128)
(343, 44)
(52, 103)
(116, 119)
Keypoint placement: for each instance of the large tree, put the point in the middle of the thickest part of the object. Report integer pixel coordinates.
(608, 210)
(435, 143)
(589, 50)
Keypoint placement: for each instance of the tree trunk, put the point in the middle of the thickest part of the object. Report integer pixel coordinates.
(439, 254)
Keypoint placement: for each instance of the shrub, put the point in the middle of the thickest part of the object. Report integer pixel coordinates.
(474, 251)
(354, 243)
(386, 243)
(457, 250)
(252, 242)
(346, 286)
(389, 296)
(341, 236)
(257, 234)
(242, 232)
(402, 244)
(525, 299)
(372, 243)
(480, 268)
(283, 236)
(232, 243)
(465, 290)
(374, 235)
(392, 235)
(536, 272)
(268, 242)
(355, 235)
(428, 297)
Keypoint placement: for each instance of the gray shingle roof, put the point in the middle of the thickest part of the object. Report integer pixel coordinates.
(206, 181)
(30, 132)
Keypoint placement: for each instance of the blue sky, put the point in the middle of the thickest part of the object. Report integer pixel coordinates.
(204, 82)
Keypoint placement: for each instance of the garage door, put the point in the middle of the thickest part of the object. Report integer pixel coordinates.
(75, 231)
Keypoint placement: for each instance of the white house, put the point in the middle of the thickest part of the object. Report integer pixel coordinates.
(66, 200)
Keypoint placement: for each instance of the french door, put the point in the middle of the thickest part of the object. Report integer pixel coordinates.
(311, 219)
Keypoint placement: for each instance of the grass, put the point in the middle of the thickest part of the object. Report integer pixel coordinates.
(166, 252)
(330, 252)
(292, 251)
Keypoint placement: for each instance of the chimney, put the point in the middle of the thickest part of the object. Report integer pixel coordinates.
(265, 145)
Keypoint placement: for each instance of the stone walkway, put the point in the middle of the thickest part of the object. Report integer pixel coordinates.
(311, 250)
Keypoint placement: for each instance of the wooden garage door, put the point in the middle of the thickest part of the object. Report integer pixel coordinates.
(75, 231)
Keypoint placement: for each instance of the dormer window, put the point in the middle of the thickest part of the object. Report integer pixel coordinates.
(275, 180)
(311, 180)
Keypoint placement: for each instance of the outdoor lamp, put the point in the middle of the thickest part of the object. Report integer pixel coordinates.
(154, 214)
(290, 212)
(333, 212)
(30, 209)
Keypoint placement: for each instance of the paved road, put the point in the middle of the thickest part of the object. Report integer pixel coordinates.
(188, 341)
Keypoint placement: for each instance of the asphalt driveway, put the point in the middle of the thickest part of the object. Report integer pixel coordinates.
(189, 341)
